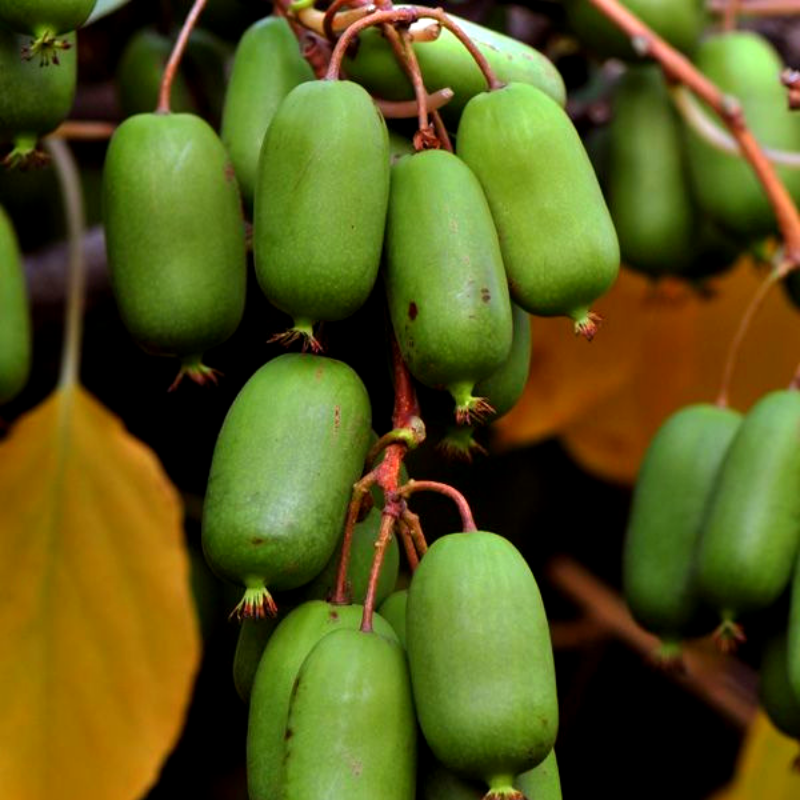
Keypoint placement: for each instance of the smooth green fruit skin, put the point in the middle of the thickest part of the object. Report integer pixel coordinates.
(362, 551)
(744, 65)
(320, 201)
(558, 241)
(751, 532)
(253, 637)
(393, 610)
(15, 322)
(672, 491)
(281, 660)
(680, 22)
(542, 782)
(779, 699)
(268, 64)
(36, 16)
(649, 193)
(34, 100)
(174, 233)
(290, 449)
(351, 731)
(480, 657)
(445, 62)
(504, 387)
(444, 276)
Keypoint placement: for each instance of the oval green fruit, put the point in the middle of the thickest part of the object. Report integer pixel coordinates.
(750, 535)
(15, 323)
(793, 635)
(45, 21)
(268, 64)
(292, 445)
(481, 660)
(320, 203)
(680, 22)
(649, 192)
(280, 662)
(33, 101)
(445, 62)
(746, 66)
(775, 691)
(393, 610)
(444, 277)
(174, 235)
(351, 731)
(676, 479)
(558, 242)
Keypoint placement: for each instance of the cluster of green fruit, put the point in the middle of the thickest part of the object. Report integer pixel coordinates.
(680, 205)
(715, 527)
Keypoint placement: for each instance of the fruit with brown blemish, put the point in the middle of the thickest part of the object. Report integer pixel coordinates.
(444, 278)
(320, 204)
(174, 236)
(351, 717)
(481, 660)
(558, 242)
(291, 642)
(292, 445)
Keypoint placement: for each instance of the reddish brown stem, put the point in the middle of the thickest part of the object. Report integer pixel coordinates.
(441, 130)
(388, 520)
(411, 521)
(171, 69)
(78, 130)
(744, 325)
(330, 13)
(425, 137)
(467, 520)
(405, 109)
(406, 16)
(759, 8)
(678, 68)
(731, 16)
(408, 545)
(360, 490)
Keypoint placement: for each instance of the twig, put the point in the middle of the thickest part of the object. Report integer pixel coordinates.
(758, 8)
(78, 130)
(731, 15)
(678, 68)
(177, 54)
(384, 538)
(467, 520)
(406, 109)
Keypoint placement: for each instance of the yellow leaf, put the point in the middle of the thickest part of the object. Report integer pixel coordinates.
(764, 771)
(98, 638)
(668, 350)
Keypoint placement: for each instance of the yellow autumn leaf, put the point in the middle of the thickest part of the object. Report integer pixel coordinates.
(607, 410)
(765, 769)
(99, 642)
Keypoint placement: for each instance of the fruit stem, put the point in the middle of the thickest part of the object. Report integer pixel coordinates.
(467, 520)
(388, 519)
(678, 68)
(757, 8)
(72, 195)
(411, 521)
(84, 131)
(360, 490)
(408, 545)
(406, 16)
(425, 138)
(744, 325)
(731, 16)
(175, 57)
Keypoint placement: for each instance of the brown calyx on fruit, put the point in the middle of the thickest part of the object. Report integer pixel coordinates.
(588, 325)
(728, 636)
(197, 372)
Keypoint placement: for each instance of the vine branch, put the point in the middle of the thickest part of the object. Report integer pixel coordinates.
(678, 68)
